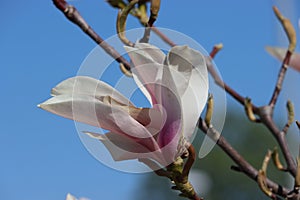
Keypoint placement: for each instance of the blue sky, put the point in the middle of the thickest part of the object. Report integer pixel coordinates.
(41, 154)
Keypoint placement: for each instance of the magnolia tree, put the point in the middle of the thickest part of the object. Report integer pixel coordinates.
(175, 82)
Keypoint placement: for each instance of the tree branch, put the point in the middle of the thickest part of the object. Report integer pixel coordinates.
(281, 139)
(243, 165)
(280, 79)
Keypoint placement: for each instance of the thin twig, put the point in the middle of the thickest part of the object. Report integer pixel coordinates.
(280, 79)
(291, 34)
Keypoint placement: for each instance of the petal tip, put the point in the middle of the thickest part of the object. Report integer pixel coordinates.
(42, 106)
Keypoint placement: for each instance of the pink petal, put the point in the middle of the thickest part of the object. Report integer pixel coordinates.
(91, 111)
(184, 95)
(172, 130)
(124, 148)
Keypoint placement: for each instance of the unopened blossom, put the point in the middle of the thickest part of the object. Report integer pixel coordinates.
(176, 86)
(280, 53)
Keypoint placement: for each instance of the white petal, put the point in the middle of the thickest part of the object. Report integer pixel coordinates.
(85, 85)
(280, 53)
(91, 111)
(189, 72)
(147, 68)
(184, 60)
(193, 101)
(124, 148)
(155, 53)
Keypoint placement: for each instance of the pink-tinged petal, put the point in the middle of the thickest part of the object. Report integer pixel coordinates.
(91, 111)
(186, 80)
(280, 53)
(172, 130)
(147, 68)
(194, 99)
(152, 118)
(169, 138)
(170, 100)
(184, 61)
(193, 102)
(85, 85)
(122, 147)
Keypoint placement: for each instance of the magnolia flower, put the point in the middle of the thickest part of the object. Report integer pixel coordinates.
(176, 86)
(280, 53)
